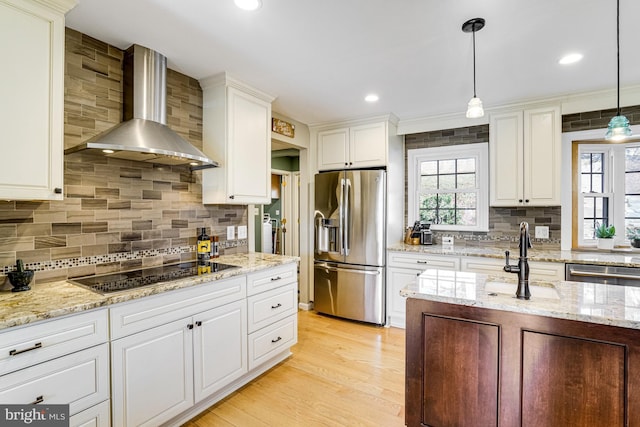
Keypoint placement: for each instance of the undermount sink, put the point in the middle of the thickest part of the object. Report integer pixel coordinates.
(546, 291)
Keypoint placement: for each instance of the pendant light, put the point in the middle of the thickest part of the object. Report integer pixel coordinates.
(474, 108)
(618, 128)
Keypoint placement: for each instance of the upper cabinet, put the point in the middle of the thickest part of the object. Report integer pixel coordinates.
(32, 101)
(525, 152)
(236, 132)
(360, 146)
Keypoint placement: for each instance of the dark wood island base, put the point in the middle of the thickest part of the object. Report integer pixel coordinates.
(472, 366)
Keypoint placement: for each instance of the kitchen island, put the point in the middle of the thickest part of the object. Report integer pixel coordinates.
(476, 355)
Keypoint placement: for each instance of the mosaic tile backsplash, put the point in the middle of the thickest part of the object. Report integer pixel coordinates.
(116, 214)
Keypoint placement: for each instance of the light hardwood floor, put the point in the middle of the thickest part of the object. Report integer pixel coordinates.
(341, 373)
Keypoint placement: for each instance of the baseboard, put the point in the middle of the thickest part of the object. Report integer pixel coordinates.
(306, 306)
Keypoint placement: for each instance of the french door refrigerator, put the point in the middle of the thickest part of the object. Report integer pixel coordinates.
(349, 253)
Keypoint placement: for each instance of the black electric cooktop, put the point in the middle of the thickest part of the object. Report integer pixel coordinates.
(115, 282)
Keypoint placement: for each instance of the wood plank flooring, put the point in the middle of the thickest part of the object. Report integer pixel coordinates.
(341, 373)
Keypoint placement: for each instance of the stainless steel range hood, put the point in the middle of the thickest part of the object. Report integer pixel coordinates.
(143, 135)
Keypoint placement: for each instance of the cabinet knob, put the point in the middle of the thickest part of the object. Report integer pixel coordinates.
(346, 164)
(350, 163)
(199, 323)
(421, 262)
(520, 200)
(190, 326)
(57, 190)
(526, 200)
(232, 197)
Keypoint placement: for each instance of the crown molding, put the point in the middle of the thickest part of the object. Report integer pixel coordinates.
(225, 79)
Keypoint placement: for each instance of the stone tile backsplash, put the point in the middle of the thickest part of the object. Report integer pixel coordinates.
(503, 222)
(116, 214)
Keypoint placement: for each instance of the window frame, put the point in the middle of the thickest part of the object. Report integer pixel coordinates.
(478, 151)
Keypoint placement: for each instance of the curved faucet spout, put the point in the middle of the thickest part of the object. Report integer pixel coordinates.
(522, 268)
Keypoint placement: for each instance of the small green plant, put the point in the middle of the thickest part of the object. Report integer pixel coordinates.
(633, 233)
(605, 231)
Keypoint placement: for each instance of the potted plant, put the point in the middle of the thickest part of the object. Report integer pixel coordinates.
(633, 234)
(605, 234)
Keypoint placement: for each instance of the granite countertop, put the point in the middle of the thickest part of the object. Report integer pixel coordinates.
(53, 299)
(622, 257)
(586, 302)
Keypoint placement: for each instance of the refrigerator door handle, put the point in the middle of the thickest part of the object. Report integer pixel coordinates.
(347, 215)
(341, 214)
(347, 270)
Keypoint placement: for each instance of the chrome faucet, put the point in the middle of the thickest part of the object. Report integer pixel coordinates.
(522, 268)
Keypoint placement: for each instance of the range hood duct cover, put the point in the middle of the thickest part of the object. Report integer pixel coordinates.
(144, 135)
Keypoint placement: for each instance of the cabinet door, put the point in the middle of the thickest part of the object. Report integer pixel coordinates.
(333, 146)
(220, 348)
(572, 382)
(96, 416)
(398, 278)
(249, 150)
(506, 156)
(152, 375)
(461, 372)
(368, 145)
(542, 153)
(31, 110)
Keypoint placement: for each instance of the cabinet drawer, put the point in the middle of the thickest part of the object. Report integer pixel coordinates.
(96, 416)
(273, 305)
(268, 342)
(28, 345)
(80, 379)
(424, 261)
(272, 278)
(139, 315)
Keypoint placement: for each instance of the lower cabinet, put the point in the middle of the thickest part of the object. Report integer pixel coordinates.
(474, 366)
(96, 416)
(161, 372)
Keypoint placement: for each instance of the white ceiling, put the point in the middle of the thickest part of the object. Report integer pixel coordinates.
(320, 58)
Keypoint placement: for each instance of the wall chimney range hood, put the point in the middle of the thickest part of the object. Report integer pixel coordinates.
(143, 135)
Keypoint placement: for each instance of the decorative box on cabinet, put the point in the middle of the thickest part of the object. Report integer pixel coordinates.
(32, 102)
(359, 146)
(402, 269)
(236, 131)
(60, 361)
(525, 156)
(197, 337)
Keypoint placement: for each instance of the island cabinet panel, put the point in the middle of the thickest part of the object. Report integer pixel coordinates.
(469, 365)
(460, 373)
(571, 382)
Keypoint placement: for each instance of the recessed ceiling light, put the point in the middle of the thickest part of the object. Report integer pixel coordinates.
(570, 58)
(107, 151)
(248, 4)
(372, 97)
(193, 164)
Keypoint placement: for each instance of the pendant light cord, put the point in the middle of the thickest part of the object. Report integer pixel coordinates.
(618, 53)
(474, 61)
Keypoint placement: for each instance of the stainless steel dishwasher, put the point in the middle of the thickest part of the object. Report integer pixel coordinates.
(610, 275)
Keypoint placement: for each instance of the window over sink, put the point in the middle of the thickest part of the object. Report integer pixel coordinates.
(448, 187)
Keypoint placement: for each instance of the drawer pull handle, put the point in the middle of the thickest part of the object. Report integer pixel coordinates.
(199, 323)
(278, 305)
(16, 352)
(421, 262)
(39, 399)
(273, 279)
(276, 340)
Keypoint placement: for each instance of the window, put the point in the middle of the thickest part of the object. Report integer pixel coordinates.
(609, 181)
(448, 187)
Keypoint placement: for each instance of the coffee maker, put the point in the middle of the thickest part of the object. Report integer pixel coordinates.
(426, 236)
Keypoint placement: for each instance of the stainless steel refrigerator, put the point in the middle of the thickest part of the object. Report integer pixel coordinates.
(349, 254)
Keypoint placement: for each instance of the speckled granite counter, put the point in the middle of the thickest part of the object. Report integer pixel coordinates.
(623, 257)
(587, 302)
(53, 299)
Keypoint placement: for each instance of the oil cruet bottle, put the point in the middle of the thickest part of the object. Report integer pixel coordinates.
(203, 247)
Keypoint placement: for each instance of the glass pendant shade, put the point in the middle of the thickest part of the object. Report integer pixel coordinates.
(474, 108)
(618, 129)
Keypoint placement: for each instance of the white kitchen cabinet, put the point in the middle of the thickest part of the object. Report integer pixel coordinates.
(402, 269)
(96, 416)
(359, 146)
(176, 349)
(525, 155)
(236, 128)
(32, 101)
